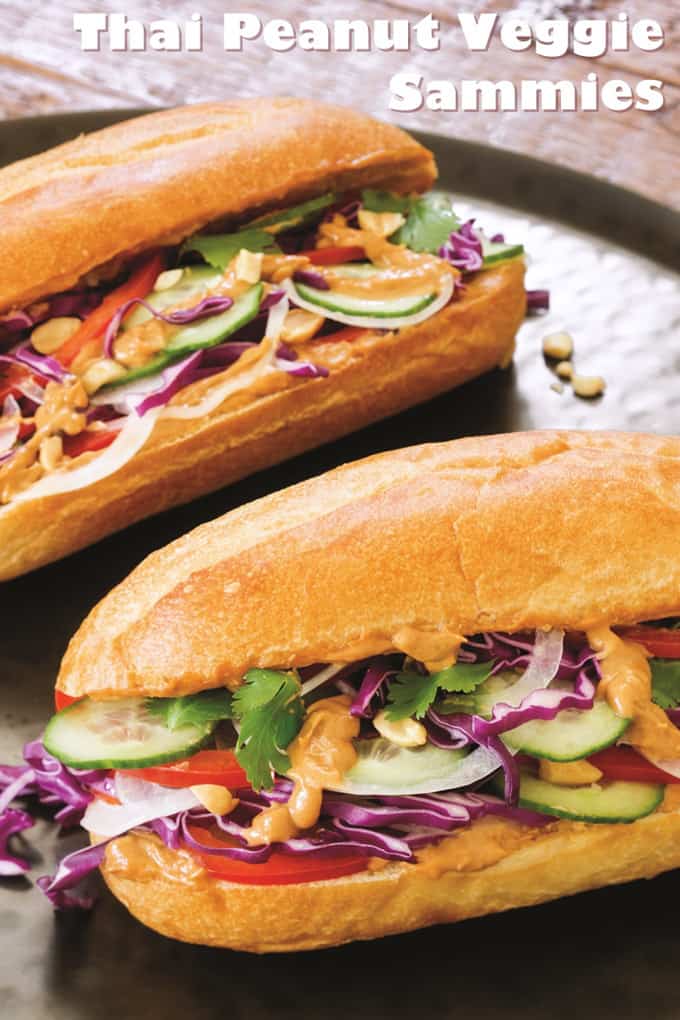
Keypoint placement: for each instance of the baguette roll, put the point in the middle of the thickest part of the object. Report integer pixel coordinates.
(89, 206)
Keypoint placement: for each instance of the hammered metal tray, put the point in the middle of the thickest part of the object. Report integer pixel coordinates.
(609, 257)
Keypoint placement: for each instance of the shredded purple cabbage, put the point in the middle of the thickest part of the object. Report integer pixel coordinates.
(11, 823)
(203, 310)
(43, 364)
(538, 301)
(71, 871)
(79, 303)
(312, 279)
(372, 688)
(463, 249)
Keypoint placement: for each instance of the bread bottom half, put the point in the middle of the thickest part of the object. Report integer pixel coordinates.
(275, 418)
(169, 892)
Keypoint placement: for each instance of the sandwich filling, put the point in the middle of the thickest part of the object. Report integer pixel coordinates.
(85, 376)
(312, 774)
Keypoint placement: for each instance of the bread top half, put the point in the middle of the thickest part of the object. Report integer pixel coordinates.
(402, 551)
(157, 179)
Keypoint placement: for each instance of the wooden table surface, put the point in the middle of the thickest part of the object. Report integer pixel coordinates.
(42, 70)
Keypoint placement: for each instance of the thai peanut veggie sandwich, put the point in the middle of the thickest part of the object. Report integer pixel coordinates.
(434, 684)
(195, 294)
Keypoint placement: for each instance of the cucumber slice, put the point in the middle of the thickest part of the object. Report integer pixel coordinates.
(482, 701)
(358, 270)
(495, 251)
(333, 301)
(212, 331)
(298, 216)
(194, 282)
(610, 802)
(385, 769)
(198, 336)
(573, 733)
(119, 734)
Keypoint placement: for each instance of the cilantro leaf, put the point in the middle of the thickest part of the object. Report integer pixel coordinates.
(385, 201)
(270, 711)
(430, 222)
(411, 694)
(204, 709)
(220, 249)
(666, 682)
(464, 677)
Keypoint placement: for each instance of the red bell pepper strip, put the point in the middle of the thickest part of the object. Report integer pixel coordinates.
(137, 286)
(334, 256)
(88, 441)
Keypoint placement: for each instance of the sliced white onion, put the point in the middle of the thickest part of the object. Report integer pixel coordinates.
(31, 390)
(276, 318)
(370, 322)
(671, 767)
(131, 438)
(315, 681)
(119, 397)
(9, 433)
(542, 669)
(218, 394)
(10, 407)
(108, 820)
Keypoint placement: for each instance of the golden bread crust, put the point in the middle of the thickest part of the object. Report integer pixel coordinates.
(158, 178)
(274, 419)
(174, 899)
(418, 545)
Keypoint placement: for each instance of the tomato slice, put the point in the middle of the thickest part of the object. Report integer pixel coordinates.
(625, 763)
(279, 869)
(88, 441)
(660, 641)
(62, 700)
(137, 286)
(334, 256)
(218, 767)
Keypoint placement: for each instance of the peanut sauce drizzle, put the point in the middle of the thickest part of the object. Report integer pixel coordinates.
(627, 686)
(320, 755)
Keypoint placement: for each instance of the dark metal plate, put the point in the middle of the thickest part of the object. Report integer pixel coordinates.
(606, 954)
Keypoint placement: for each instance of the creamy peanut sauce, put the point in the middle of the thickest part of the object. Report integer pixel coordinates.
(487, 841)
(436, 649)
(62, 412)
(627, 685)
(320, 755)
(140, 857)
(405, 272)
(136, 346)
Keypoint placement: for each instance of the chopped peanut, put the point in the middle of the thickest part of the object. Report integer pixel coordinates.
(49, 336)
(169, 278)
(569, 773)
(216, 799)
(558, 345)
(300, 325)
(558, 387)
(404, 732)
(248, 266)
(588, 385)
(51, 452)
(383, 224)
(99, 373)
(564, 369)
